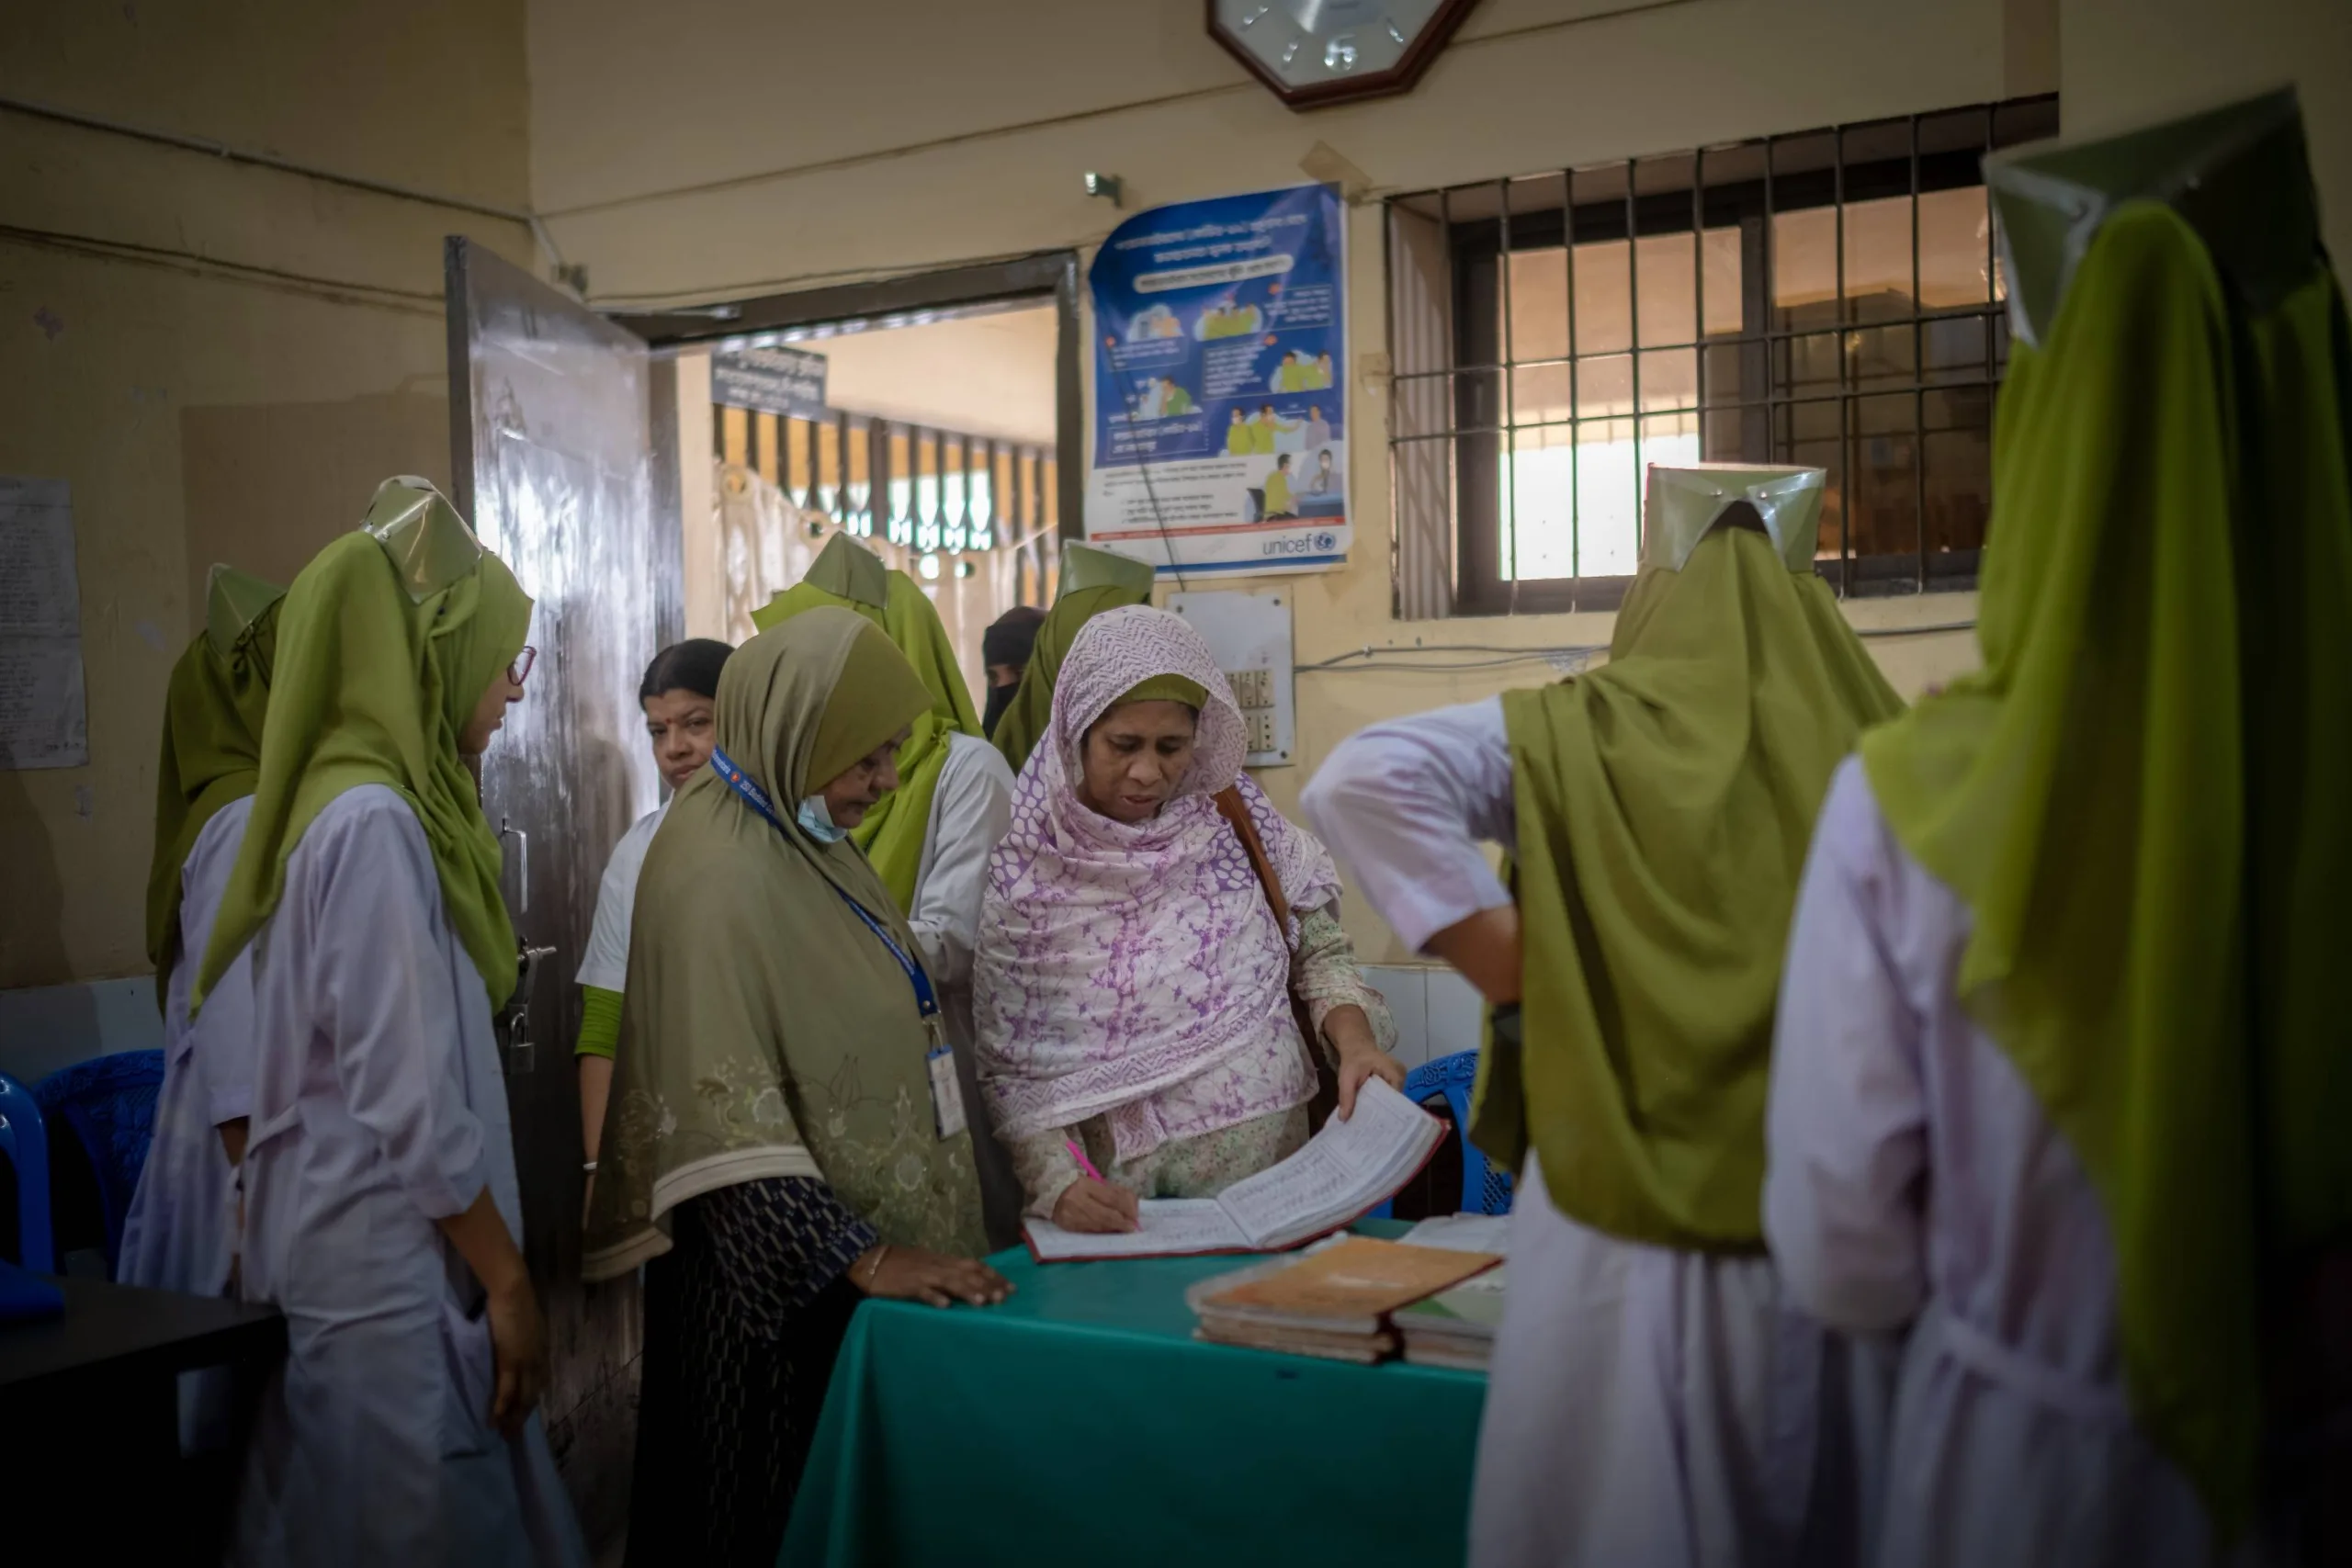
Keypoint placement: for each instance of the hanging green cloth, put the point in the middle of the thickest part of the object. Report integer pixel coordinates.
(2142, 798)
(1665, 803)
(212, 723)
(844, 576)
(1023, 724)
(765, 1031)
(892, 833)
(1092, 579)
(386, 642)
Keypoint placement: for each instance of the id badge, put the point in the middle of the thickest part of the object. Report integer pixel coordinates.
(946, 1091)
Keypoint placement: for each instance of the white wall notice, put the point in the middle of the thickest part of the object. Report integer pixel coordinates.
(44, 722)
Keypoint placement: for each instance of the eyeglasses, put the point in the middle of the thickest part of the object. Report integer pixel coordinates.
(520, 671)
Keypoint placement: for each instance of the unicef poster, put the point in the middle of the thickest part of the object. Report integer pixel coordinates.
(1220, 361)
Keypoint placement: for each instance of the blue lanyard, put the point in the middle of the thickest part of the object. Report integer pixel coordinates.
(926, 1000)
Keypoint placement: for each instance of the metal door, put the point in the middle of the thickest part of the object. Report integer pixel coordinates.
(556, 417)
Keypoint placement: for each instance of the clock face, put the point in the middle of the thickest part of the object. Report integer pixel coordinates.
(1316, 52)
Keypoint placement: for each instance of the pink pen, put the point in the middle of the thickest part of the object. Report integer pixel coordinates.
(1083, 1163)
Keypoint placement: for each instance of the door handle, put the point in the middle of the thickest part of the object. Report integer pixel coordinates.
(522, 865)
(522, 1055)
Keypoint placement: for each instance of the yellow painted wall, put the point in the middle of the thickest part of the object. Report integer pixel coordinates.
(705, 149)
(235, 386)
(968, 139)
(2125, 62)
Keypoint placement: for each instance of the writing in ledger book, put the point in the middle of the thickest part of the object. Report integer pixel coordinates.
(1346, 1168)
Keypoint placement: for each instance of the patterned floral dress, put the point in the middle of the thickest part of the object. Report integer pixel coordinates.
(1324, 976)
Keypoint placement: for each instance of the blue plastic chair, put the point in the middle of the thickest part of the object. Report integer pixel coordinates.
(109, 1104)
(1485, 1190)
(24, 1138)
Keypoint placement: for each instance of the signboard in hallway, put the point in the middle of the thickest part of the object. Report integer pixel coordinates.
(774, 380)
(1220, 399)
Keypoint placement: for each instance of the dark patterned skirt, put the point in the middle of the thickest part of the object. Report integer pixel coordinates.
(743, 1318)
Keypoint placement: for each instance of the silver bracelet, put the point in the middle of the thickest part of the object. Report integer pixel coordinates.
(590, 1166)
(873, 1270)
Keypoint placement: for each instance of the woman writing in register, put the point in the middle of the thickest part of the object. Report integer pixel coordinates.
(1133, 990)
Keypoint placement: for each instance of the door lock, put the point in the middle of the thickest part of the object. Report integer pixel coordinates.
(522, 1054)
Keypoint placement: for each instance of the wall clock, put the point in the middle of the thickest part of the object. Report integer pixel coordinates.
(1316, 53)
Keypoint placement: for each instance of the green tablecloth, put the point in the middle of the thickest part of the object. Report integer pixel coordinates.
(1080, 1425)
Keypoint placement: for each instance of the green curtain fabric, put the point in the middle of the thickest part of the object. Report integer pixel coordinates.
(963, 1436)
(2143, 796)
(765, 1031)
(211, 756)
(373, 686)
(1665, 803)
(892, 833)
(1023, 724)
(849, 570)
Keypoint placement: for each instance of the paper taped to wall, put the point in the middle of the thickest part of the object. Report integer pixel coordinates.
(43, 720)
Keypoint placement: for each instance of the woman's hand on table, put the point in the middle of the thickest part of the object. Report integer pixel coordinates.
(1096, 1208)
(910, 1274)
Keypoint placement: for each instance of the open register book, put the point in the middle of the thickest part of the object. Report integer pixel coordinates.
(1346, 1169)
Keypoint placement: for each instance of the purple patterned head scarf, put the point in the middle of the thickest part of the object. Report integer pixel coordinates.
(1134, 969)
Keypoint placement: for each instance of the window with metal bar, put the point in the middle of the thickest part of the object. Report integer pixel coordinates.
(926, 490)
(1832, 298)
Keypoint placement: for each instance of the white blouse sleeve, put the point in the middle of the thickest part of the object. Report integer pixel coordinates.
(387, 1000)
(224, 1031)
(1846, 1135)
(972, 811)
(604, 965)
(1403, 806)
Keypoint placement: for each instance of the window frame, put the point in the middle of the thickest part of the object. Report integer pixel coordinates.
(1477, 372)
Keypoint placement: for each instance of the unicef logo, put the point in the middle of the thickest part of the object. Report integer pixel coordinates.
(1326, 541)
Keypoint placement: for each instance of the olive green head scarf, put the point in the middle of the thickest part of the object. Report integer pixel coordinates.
(2143, 796)
(1665, 803)
(212, 723)
(386, 642)
(1023, 724)
(844, 576)
(766, 1030)
(892, 833)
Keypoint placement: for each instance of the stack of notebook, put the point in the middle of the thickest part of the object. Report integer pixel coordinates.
(1333, 1301)
(1456, 1326)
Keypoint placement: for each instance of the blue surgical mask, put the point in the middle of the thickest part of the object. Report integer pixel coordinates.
(818, 821)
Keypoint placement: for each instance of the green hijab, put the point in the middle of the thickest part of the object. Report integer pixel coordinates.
(212, 722)
(1665, 802)
(893, 831)
(387, 641)
(1092, 579)
(1023, 724)
(2141, 797)
(766, 1032)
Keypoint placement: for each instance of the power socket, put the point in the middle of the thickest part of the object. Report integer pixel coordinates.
(1260, 723)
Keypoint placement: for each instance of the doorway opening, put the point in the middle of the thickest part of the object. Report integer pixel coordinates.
(944, 441)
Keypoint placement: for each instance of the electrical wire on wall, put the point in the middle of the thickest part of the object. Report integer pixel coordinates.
(1566, 659)
(1159, 520)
